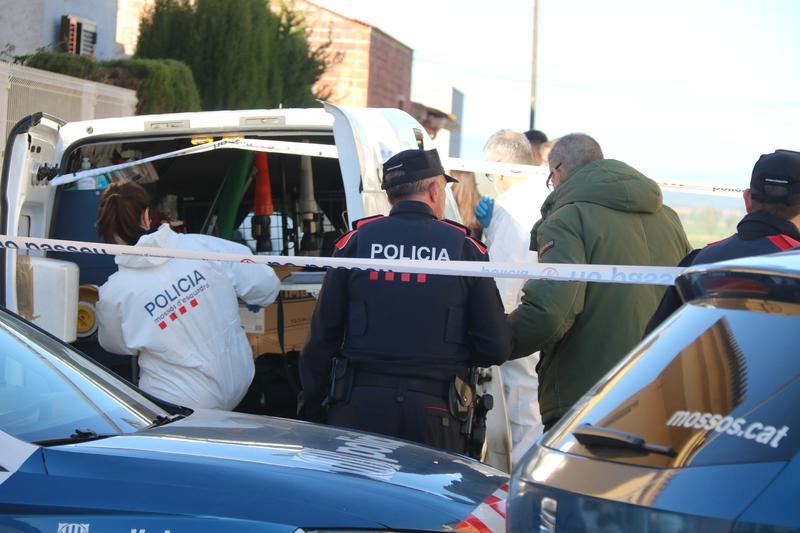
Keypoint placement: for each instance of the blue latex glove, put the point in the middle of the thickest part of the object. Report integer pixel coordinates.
(253, 308)
(484, 210)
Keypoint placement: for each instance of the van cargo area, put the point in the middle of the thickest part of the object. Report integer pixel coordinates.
(273, 203)
(213, 192)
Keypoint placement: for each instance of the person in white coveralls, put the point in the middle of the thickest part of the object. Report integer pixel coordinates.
(180, 316)
(507, 223)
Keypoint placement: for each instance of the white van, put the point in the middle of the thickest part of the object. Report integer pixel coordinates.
(314, 198)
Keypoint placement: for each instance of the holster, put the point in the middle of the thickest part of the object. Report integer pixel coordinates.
(341, 381)
(461, 399)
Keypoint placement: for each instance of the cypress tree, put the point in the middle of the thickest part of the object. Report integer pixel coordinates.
(242, 54)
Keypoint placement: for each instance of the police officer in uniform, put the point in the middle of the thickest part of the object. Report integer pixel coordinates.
(396, 343)
(772, 223)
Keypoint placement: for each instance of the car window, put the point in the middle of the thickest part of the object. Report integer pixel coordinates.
(48, 391)
(719, 383)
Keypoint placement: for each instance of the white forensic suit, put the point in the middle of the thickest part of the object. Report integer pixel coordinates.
(508, 238)
(181, 317)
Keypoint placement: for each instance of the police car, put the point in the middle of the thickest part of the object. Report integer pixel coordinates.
(82, 451)
(696, 430)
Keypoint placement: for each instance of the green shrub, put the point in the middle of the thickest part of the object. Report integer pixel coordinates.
(68, 64)
(161, 85)
(241, 53)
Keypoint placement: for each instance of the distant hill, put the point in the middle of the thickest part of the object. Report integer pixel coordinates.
(685, 199)
(706, 218)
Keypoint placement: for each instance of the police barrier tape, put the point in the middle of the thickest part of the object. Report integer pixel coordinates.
(330, 151)
(256, 145)
(396, 261)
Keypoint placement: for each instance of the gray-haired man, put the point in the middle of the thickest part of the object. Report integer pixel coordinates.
(519, 199)
(602, 212)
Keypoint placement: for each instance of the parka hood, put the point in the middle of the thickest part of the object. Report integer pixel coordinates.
(164, 237)
(609, 183)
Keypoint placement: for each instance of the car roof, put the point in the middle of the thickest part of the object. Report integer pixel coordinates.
(782, 263)
(314, 115)
(197, 123)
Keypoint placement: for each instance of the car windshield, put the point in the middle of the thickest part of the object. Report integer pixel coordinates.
(50, 392)
(719, 384)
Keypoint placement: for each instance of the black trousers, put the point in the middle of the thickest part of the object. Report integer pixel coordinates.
(410, 415)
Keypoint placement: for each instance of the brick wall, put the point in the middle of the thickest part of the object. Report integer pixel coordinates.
(347, 80)
(389, 71)
(374, 69)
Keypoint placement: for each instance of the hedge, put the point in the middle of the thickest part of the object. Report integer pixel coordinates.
(242, 54)
(68, 64)
(161, 85)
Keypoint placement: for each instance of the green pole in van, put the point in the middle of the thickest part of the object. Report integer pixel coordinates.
(233, 192)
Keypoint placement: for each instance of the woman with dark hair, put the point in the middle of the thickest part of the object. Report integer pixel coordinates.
(180, 316)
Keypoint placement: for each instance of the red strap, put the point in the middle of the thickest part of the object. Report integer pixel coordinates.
(360, 223)
(456, 225)
(717, 242)
(783, 242)
(342, 242)
(478, 244)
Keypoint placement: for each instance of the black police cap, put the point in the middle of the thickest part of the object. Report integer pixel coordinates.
(776, 178)
(409, 166)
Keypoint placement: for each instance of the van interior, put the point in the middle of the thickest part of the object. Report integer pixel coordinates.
(214, 192)
(274, 203)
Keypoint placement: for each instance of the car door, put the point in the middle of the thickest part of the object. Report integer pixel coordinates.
(32, 150)
(365, 138)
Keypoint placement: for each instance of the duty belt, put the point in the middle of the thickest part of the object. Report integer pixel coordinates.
(426, 386)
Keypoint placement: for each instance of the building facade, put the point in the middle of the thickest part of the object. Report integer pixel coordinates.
(30, 25)
(372, 68)
(440, 108)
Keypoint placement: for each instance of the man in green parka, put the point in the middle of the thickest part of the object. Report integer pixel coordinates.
(601, 212)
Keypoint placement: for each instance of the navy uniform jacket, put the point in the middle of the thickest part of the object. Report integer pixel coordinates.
(756, 234)
(404, 324)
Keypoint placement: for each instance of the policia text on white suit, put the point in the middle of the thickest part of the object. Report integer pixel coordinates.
(181, 317)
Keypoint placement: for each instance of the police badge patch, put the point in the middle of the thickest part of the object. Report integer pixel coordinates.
(72, 528)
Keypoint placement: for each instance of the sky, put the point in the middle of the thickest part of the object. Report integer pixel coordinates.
(683, 90)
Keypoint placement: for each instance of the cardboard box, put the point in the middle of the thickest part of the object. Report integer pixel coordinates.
(284, 271)
(262, 330)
